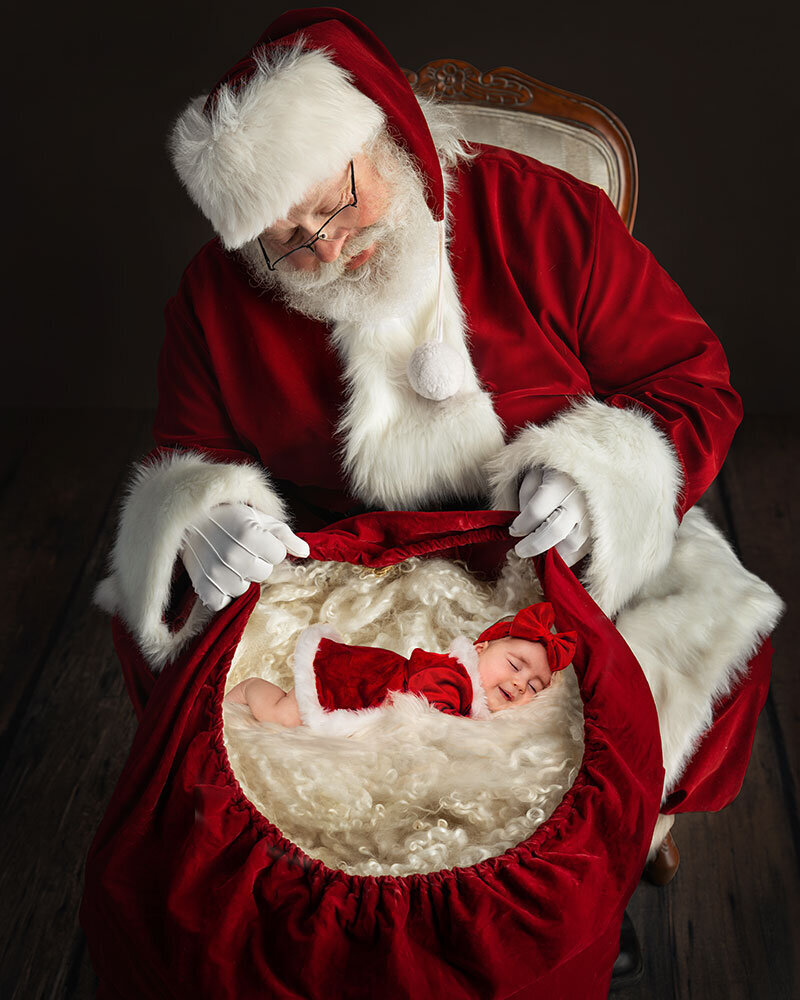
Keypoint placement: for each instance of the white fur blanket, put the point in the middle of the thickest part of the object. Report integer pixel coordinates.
(418, 790)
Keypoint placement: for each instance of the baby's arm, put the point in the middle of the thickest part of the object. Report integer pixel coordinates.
(266, 701)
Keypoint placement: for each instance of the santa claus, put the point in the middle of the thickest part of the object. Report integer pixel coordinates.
(392, 319)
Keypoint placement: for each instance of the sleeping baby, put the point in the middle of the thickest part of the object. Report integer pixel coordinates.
(338, 686)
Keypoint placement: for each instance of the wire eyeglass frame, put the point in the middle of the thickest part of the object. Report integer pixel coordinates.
(319, 233)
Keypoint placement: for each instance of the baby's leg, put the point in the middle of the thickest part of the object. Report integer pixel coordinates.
(266, 701)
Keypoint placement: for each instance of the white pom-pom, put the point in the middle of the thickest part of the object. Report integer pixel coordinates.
(435, 370)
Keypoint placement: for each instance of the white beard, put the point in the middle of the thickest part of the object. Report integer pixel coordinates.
(385, 286)
(400, 450)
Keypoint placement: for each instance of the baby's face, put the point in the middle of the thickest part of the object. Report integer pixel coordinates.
(513, 671)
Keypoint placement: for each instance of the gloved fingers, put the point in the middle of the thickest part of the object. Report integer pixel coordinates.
(239, 586)
(580, 532)
(549, 533)
(252, 551)
(229, 549)
(227, 562)
(260, 535)
(571, 557)
(215, 601)
(529, 485)
(297, 546)
(576, 545)
(555, 489)
(208, 591)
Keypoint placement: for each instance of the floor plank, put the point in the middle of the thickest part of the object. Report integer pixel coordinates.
(80, 981)
(69, 747)
(723, 929)
(732, 912)
(658, 913)
(762, 480)
(57, 491)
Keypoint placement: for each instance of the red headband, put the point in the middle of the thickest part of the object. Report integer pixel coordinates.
(535, 623)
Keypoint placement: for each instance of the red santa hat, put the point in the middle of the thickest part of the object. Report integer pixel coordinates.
(536, 624)
(315, 87)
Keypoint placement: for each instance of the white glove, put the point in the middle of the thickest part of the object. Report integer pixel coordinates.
(233, 546)
(552, 512)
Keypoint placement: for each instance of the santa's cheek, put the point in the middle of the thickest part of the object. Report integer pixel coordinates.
(372, 210)
(302, 263)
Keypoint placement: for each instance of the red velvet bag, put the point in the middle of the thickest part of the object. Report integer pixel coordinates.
(191, 892)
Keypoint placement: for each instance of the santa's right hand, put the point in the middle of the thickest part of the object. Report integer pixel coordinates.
(233, 546)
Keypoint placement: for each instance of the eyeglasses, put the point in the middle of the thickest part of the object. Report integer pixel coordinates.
(319, 234)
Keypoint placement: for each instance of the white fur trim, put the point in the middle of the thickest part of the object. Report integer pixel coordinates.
(164, 497)
(403, 451)
(447, 132)
(336, 722)
(693, 630)
(463, 650)
(630, 476)
(298, 121)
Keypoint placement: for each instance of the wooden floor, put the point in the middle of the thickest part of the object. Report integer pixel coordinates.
(726, 927)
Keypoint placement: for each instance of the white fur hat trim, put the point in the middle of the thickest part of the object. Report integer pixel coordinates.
(296, 122)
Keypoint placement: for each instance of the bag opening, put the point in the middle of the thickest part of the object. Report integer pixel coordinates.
(416, 791)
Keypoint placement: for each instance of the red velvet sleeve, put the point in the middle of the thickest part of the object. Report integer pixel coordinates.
(644, 345)
(191, 411)
(442, 680)
(191, 415)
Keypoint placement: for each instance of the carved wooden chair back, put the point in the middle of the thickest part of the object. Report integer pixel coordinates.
(508, 108)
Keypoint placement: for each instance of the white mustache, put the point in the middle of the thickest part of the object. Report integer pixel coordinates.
(387, 284)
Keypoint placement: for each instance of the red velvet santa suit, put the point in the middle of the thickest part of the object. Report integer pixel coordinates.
(562, 304)
(580, 353)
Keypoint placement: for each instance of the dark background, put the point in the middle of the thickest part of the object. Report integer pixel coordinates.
(101, 229)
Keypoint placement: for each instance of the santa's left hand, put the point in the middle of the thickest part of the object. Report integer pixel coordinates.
(552, 513)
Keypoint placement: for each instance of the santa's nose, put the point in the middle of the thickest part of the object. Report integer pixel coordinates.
(328, 248)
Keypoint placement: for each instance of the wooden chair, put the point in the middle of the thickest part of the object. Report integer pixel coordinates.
(508, 108)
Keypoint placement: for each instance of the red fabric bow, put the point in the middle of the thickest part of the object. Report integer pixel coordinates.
(535, 623)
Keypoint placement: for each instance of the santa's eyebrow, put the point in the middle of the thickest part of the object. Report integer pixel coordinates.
(276, 233)
(279, 233)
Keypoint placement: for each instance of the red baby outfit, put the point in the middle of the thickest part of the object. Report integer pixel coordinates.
(356, 677)
(339, 687)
